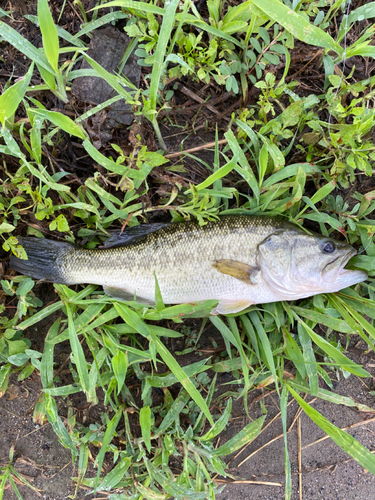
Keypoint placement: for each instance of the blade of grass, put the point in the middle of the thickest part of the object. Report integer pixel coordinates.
(333, 352)
(49, 34)
(145, 423)
(77, 350)
(183, 379)
(219, 174)
(107, 438)
(246, 171)
(46, 363)
(173, 413)
(220, 424)
(299, 26)
(60, 120)
(264, 345)
(344, 440)
(35, 318)
(130, 4)
(309, 357)
(20, 43)
(337, 399)
(157, 69)
(11, 98)
(245, 436)
(284, 417)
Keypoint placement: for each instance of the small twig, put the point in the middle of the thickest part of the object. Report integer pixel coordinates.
(58, 472)
(319, 52)
(6, 409)
(198, 148)
(261, 448)
(245, 481)
(196, 98)
(222, 115)
(32, 432)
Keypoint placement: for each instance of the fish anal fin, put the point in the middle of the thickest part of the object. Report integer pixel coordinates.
(121, 294)
(231, 306)
(237, 269)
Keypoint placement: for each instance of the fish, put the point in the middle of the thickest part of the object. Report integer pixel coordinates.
(237, 260)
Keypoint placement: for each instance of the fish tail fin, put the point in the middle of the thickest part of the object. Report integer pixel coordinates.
(44, 259)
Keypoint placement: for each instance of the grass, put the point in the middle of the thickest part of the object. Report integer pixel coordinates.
(113, 342)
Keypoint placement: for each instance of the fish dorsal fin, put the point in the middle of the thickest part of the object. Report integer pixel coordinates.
(133, 234)
(236, 269)
(231, 306)
(121, 294)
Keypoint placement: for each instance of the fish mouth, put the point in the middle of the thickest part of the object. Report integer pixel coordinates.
(345, 259)
(339, 262)
(344, 277)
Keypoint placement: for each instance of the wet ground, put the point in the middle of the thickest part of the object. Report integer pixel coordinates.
(325, 471)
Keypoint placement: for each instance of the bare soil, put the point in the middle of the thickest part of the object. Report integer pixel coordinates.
(325, 471)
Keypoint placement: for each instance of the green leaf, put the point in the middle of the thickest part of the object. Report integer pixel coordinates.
(294, 353)
(18, 359)
(145, 423)
(130, 4)
(366, 11)
(184, 380)
(245, 436)
(23, 45)
(219, 174)
(77, 350)
(120, 366)
(220, 424)
(244, 169)
(284, 416)
(46, 364)
(112, 479)
(44, 313)
(107, 438)
(292, 113)
(297, 25)
(334, 353)
(60, 120)
(10, 100)
(263, 163)
(174, 412)
(159, 304)
(323, 192)
(347, 442)
(49, 34)
(6, 228)
(161, 47)
(309, 358)
(57, 424)
(264, 344)
(329, 396)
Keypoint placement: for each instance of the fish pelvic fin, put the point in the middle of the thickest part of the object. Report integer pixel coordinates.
(44, 259)
(231, 306)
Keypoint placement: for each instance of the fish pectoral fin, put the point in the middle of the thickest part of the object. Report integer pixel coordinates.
(231, 306)
(121, 294)
(238, 270)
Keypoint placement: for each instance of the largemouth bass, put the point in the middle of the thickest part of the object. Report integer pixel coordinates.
(238, 260)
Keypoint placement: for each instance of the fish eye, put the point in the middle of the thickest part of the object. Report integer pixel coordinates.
(328, 247)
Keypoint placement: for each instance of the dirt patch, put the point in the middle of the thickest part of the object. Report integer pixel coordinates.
(327, 472)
